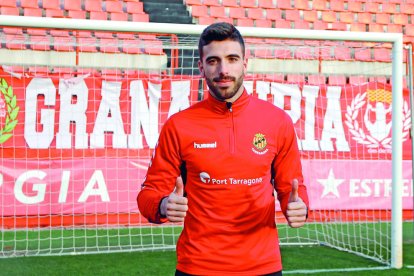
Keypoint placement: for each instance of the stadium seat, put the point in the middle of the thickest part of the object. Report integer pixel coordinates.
(245, 22)
(15, 41)
(337, 80)
(355, 6)
(63, 72)
(316, 79)
(113, 6)
(29, 4)
(33, 12)
(98, 15)
(153, 47)
(38, 70)
(54, 13)
(255, 13)
(407, 8)
(337, 5)
(347, 17)
(409, 30)
(64, 44)
(93, 5)
(400, 19)
(9, 11)
(217, 12)
(371, 7)
(118, 16)
(304, 53)
(36, 31)
(285, 5)
(51, 4)
(72, 5)
(389, 7)
(210, 3)
(263, 53)
(8, 3)
(283, 24)
(131, 46)
(237, 12)
(268, 4)
(342, 53)
(338, 26)
(382, 54)
(292, 15)
(282, 53)
(58, 32)
(134, 7)
(320, 25)
(329, 16)
(77, 14)
(273, 14)
(319, 5)
(310, 16)
(295, 78)
(230, 3)
(194, 2)
(122, 35)
(358, 27)
(302, 4)
(394, 28)
(205, 20)
(109, 45)
(363, 54)
(379, 28)
(263, 23)
(248, 3)
(382, 18)
(87, 44)
(197, 11)
(103, 34)
(365, 17)
(357, 80)
(140, 17)
(40, 43)
(381, 79)
(301, 24)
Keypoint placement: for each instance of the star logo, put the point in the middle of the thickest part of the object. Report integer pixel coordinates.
(330, 185)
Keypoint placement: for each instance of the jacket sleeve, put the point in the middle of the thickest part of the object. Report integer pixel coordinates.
(287, 165)
(162, 173)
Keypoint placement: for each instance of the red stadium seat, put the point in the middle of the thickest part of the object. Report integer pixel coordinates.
(319, 5)
(284, 24)
(273, 14)
(9, 11)
(381, 79)
(304, 52)
(87, 44)
(320, 25)
(255, 13)
(382, 54)
(371, 7)
(342, 53)
(104, 34)
(382, 18)
(237, 12)
(268, 4)
(230, 3)
(218, 12)
(125, 36)
(113, 6)
(379, 28)
(64, 44)
(363, 54)
(40, 43)
(8, 3)
(329, 16)
(51, 4)
(394, 28)
(346, 17)
(36, 31)
(134, 7)
(358, 27)
(409, 30)
(93, 5)
(338, 26)
(295, 78)
(77, 14)
(72, 5)
(263, 23)
(194, 2)
(316, 79)
(389, 7)
(29, 3)
(118, 16)
(357, 80)
(286, 5)
(206, 20)
(109, 45)
(282, 53)
(337, 80)
(302, 4)
(337, 5)
(54, 13)
(365, 17)
(292, 15)
(98, 15)
(61, 33)
(210, 3)
(245, 22)
(198, 11)
(140, 17)
(355, 6)
(154, 47)
(263, 53)
(301, 24)
(33, 12)
(407, 8)
(248, 3)
(131, 46)
(310, 16)
(400, 19)
(15, 41)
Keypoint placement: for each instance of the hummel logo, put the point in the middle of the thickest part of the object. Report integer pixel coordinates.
(205, 146)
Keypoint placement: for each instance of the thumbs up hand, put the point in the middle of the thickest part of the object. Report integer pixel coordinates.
(296, 208)
(175, 206)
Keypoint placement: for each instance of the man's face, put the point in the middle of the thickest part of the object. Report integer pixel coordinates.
(223, 67)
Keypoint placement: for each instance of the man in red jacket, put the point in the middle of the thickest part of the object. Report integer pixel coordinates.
(232, 150)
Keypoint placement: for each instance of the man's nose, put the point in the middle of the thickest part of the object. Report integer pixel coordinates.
(224, 68)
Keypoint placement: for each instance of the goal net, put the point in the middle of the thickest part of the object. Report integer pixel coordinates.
(81, 110)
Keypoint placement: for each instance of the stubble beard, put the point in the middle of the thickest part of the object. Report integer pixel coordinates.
(228, 93)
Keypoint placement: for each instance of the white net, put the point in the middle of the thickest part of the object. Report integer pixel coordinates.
(80, 114)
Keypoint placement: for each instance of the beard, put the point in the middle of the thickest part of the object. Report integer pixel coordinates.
(226, 93)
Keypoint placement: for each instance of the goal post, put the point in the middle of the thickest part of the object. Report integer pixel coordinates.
(116, 78)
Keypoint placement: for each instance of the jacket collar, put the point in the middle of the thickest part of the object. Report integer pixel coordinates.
(222, 107)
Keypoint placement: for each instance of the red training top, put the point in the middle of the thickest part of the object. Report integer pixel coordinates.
(230, 154)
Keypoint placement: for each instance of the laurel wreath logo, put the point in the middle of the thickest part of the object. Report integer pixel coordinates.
(12, 111)
(358, 133)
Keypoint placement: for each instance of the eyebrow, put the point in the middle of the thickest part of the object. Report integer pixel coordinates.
(228, 56)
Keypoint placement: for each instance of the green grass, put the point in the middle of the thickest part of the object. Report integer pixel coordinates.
(163, 262)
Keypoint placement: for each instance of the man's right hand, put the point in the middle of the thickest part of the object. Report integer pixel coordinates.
(175, 206)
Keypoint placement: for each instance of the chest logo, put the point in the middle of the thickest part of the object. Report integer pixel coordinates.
(259, 144)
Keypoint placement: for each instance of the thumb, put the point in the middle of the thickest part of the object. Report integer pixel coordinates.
(294, 193)
(179, 186)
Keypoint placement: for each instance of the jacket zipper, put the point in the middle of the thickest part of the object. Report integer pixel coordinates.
(232, 132)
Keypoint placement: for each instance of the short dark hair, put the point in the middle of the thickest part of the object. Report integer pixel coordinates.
(218, 32)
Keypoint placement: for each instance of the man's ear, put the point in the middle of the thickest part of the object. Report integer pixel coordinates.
(201, 68)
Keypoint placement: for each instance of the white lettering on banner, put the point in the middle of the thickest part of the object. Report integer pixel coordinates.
(72, 112)
(109, 118)
(144, 114)
(371, 187)
(96, 187)
(39, 139)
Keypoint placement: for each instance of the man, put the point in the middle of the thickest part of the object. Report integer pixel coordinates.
(229, 149)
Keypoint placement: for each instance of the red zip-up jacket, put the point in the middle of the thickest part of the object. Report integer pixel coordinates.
(230, 155)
